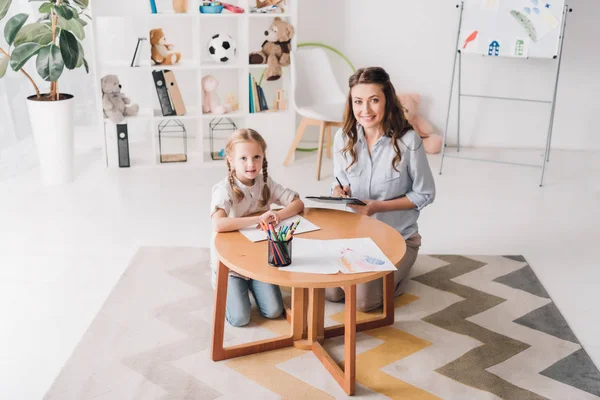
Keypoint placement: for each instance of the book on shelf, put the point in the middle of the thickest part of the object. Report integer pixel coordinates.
(139, 49)
(257, 98)
(162, 92)
(174, 93)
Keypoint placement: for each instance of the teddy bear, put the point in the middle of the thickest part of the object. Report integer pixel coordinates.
(115, 104)
(210, 99)
(161, 50)
(432, 143)
(275, 49)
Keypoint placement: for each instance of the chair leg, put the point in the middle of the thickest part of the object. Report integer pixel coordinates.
(320, 152)
(301, 128)
(328, 140)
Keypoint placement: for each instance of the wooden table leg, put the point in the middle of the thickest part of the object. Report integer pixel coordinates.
(298, 314)
(221, 353)
(346, 378)
(219, 312)
(385, 319)
(315, 319)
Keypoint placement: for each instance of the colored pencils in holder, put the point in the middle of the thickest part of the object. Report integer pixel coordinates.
(277, 243)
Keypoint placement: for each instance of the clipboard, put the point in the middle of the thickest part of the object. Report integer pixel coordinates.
(336, 200)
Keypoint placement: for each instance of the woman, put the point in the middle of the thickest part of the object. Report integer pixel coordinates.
(380, 159)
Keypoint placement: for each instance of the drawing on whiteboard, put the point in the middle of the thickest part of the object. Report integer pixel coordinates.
(494, 48)
(526, 24)
(521, 47)
(351, 261)
(470, 38)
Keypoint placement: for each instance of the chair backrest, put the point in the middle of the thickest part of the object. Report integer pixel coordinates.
(313, 79)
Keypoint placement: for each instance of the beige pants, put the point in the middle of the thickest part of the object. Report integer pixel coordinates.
(370, 295)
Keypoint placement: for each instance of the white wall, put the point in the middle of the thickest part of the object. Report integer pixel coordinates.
(414, 41)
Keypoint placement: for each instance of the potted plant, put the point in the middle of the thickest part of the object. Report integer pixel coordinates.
(55, 40)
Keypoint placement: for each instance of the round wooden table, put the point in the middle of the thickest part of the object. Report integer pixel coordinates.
(307, 313)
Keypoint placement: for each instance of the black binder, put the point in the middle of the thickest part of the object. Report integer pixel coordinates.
(123, 145)
(163, 94)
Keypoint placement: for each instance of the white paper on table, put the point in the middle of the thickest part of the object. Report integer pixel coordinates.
(348, 256)
(255, 234)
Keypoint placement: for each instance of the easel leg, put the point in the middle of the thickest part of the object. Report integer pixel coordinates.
(551, 124)
(451, 87)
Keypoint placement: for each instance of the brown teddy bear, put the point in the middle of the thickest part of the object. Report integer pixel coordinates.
(161, 50)
(276, 49)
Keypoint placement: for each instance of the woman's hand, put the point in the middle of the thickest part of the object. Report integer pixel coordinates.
(338, 192)
(368, 210)
(270, 217)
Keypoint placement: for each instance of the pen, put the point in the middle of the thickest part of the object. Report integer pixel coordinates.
(340, 183)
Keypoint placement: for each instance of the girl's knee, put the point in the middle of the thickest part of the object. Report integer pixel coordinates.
(334, 294)
(273, 311)
(238, 319)
(366, 304)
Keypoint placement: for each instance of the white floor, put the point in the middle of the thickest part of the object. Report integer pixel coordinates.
(63, 249)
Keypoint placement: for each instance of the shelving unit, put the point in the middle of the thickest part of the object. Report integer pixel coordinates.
(115, 37)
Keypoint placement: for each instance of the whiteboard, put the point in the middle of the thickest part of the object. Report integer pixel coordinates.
(512, 28)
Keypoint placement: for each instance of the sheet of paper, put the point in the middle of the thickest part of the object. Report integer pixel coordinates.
(348, 256)
(255, 234)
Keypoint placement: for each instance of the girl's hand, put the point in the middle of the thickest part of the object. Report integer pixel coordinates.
(368, 210)
(270, 216)
(338, 192)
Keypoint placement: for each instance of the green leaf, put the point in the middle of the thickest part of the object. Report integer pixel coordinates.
(69, 48)
(45, 8)
(49, 63)
(81, 56)
(82, 22)
(87, 67)
(22, 53)
(64, 11)
(43, 17)
(37, 32)
(82, 3)
(12, 27)
(4, 6)
(73, 26)
(3, 65)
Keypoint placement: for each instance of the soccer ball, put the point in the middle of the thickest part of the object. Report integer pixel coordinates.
(221, 47)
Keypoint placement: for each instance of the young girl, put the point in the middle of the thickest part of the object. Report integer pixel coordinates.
(246, 191)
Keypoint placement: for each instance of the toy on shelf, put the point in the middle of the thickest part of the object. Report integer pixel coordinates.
(268, 6)
(221, 47)
(232, 8)
(276, 49)
(232, 101)
(115, 104)
(279, 103)
(211, 7)
(210, 99)
(180, 6)
(432, 143)
(161, 50)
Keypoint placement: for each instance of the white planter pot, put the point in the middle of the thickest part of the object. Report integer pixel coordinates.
(52, 124)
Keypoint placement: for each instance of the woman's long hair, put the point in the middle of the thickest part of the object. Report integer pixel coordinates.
(241, 136)
(394, 122)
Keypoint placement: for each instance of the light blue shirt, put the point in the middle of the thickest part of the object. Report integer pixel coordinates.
(372, 176)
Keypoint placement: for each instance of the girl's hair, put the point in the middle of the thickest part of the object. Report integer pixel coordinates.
(241, 136)
(394, 122)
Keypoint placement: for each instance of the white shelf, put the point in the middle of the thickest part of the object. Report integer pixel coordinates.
(269, 15)
(220, 15)
(147, 66)
(221, 66)
(235, 114)
(156, 114)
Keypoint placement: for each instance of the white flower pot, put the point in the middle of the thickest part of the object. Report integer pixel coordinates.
(52, 124)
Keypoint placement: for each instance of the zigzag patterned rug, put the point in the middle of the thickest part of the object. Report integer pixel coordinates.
(469, 327)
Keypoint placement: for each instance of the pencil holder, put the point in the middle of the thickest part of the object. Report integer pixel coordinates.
(279, 253)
